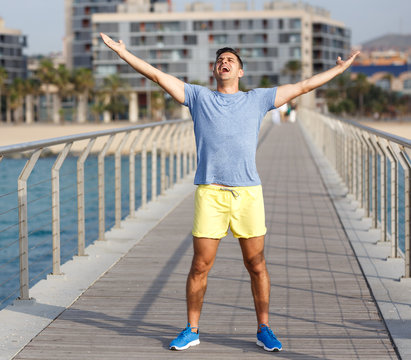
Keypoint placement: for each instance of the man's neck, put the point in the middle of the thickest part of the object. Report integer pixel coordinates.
(227, 88)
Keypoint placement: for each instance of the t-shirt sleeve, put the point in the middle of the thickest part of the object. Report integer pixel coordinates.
(190, 94)
(269, 98)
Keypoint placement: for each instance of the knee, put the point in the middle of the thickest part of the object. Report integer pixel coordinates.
(200, 267)
(256, 264)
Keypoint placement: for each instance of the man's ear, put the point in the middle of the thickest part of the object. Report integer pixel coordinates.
(240, 73)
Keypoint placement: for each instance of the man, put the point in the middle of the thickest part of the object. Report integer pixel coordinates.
(229, 194)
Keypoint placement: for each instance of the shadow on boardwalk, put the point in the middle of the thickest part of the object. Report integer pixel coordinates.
(321, 307)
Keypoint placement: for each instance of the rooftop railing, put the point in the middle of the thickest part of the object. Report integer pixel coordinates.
(166, 154)
(375, 167)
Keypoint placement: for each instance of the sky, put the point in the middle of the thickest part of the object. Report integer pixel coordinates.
(43, 20)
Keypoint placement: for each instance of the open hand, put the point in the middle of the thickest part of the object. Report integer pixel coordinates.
(118, 47)
(347, 63)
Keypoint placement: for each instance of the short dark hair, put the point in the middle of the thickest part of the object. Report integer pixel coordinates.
(229, 50)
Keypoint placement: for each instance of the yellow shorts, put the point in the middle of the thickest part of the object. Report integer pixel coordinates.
(217, 207)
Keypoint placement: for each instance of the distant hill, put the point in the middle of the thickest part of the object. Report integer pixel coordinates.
(400, 42)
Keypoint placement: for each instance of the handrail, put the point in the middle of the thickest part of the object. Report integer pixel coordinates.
(383, 134)
(22, 147)
(166, 139)
(375, 166)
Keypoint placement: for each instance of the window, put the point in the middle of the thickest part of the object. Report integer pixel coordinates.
(105, 70)
(290, 38)
(260, 38)
(407, 84)
(202, 25)
(190, 39)
(295, 52)
(160, 41)
(220, 39)
(295, 24)
(384, 83)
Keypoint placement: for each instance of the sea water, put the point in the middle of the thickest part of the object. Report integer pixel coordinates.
(40, 212)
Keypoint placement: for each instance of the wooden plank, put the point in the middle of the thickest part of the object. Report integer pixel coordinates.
(321, 307)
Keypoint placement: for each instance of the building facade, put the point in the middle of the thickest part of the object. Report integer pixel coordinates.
(78, 14)
(184, 43)
(388, 69)
(12, 58)
(77, 41)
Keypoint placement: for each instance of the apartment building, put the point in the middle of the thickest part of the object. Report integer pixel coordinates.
(184, 43)
(78, 13)
(77, 41)
(12, 59)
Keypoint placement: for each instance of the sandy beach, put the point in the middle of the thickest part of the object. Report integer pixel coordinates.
(402, 129)
(16, 134)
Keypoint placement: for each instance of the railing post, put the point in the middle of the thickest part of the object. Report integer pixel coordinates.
(381, 201)
(355, 165)
(144, 176)
(23, 224)
(101, 189)
(158, 141)
(405, 164)
(366, 169)
(135, 147)
(173, 143)
(80, 198)
(185, 151)
(149, 145)
(164, 152)
(350, 164)
(55, 206)
(394, 236)
(154, 170)
(178, 160)
(132, 175)
(407, 200)
(374, 180)
(117, 180)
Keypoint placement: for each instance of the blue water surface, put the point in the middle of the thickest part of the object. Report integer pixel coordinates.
(39, 212)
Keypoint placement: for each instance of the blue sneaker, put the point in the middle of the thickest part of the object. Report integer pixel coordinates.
(267, 339)
(186, 339)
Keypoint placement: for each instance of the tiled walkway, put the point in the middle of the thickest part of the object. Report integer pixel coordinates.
(321, 307)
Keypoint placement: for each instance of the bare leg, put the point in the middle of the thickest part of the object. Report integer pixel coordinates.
(254, 261)
(205, 251)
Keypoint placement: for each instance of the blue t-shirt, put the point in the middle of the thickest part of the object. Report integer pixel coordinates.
(226, 129)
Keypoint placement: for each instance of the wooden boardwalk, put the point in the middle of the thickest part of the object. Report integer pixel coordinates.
(321, 307)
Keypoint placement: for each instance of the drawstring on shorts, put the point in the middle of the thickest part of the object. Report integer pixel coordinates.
(235, 193)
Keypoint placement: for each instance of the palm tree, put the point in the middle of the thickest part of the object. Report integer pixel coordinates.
(31, 90)
(16, 99)
(63, 83)
(292, 68)
(265, 82)
(97, 109)
(83, 84)
(361, 86)
(3, 78)
(114, 87)
(157, 105)
(46, 73)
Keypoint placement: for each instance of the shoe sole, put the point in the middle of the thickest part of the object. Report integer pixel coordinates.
(192, 343)
(260, 343)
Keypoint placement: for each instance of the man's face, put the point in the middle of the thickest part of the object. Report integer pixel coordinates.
(227, 67)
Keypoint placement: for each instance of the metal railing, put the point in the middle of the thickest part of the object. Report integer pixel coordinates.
(375, 167)
(171, 143)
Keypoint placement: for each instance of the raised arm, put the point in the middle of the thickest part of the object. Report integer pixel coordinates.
(286, 93)
(171, 84)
